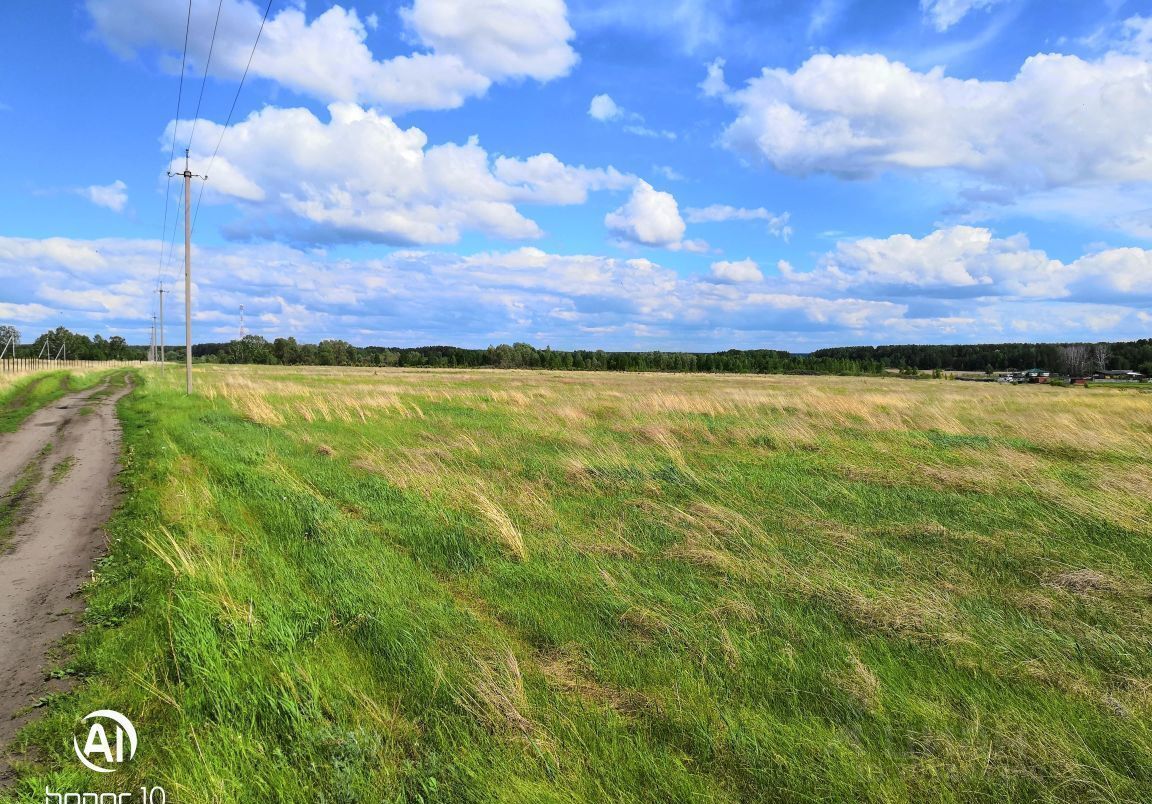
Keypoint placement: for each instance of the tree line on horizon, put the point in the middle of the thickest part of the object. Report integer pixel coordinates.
(286, 351)
(255, 349)
(992, 357)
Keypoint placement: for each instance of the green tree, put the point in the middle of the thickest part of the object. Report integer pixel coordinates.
(117, 348)
(9, 335)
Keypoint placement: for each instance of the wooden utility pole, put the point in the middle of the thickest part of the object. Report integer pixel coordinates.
(188, 176)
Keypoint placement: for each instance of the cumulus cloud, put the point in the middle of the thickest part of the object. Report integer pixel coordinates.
(111, 196)
(360, 176)
(650, 217)
(714, 84)
(22, 313)
(1061, 121)
(603, 108)
(467, 45)
(970, 262)
(719, 213)
(736, 272)
(943, 14)
(417, 297)
(414, 297)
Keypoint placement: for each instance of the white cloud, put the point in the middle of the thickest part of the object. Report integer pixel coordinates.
(498, 38)
(943, 14)
(544, 179)
(644, 131)
(24, 312)
(1131, 36)
(468, 46)
(649, 217)
(417, 297)
(603, 108)
(73, 256)
(1136, 37)
(713, 85)
(360, 176)
(668, 172)
(1061, 121)
(692, 24)
(720, 213)
(737, 272)
(420, 297)
(970, 262)
(112, 196)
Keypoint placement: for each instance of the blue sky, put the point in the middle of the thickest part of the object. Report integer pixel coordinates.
(632, 175)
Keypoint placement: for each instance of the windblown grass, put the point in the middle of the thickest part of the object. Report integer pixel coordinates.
(349, 585)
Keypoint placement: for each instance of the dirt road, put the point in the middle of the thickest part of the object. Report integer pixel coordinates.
(58, 472)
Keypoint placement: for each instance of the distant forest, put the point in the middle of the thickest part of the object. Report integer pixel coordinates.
(1135, 355)
(286, 351)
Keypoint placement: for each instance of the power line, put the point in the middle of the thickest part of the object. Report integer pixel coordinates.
(207, 64)
(172, 152)
(231, 111)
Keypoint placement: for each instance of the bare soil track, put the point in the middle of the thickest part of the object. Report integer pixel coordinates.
(56, 477)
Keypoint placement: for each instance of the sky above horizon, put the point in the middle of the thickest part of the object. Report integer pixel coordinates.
(687, 174)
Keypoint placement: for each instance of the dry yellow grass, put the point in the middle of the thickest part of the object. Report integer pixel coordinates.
(1097, 428)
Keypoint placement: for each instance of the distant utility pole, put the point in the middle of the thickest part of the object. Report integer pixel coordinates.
(47, 346)
(162, 292)
(188, 176)
(241, 322)
(152, 342)
(10, 342)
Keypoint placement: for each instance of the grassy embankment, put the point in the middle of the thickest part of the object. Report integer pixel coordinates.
(445, 586)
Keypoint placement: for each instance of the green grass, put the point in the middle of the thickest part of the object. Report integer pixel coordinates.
(464, 586)
(61, 469)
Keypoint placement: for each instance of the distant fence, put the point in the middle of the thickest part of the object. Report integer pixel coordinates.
(29, 365)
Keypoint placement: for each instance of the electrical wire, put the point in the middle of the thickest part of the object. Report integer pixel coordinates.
(207, 64)
(172, 154)
(231, 111)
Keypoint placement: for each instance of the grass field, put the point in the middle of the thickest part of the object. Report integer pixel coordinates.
(344, 585)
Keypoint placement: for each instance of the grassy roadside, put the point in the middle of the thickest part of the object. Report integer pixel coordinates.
(28, 394)
(468, 587)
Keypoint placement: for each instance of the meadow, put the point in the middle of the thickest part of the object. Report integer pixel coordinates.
(357, 585)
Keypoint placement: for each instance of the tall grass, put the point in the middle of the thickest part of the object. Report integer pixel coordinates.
(343, 585)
